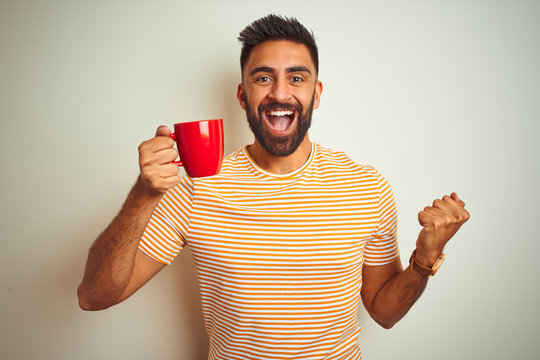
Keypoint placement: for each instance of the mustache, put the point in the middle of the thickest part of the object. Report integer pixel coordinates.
(280, 106)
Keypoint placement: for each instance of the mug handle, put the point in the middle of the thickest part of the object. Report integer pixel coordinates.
(179, 163)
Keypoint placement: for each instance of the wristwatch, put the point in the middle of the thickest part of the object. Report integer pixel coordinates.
(422, 270)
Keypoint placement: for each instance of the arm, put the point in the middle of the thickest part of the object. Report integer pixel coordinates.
(115, 268)
(388, 291)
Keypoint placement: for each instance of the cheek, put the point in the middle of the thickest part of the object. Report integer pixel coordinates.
(303, 95)
(253, 101)
(306, 103)
(257, 93)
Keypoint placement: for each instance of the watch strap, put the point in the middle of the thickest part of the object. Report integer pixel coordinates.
(422, 270)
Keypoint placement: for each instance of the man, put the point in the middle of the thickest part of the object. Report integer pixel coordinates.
(286, 237)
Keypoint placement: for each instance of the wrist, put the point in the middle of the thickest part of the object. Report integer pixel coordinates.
(427, 268)
(143, 189)
(427, 258)
(141, 198)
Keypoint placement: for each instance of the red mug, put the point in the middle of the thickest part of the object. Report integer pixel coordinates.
(200, 146)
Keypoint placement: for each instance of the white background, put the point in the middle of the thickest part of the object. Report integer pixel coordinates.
(440, 96)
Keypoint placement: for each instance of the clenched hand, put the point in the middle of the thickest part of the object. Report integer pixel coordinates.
(440, 222)
(155, 156)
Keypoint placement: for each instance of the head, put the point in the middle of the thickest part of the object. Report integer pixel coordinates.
(275, 27)
(279, 88)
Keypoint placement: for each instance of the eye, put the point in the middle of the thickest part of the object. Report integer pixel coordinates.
(296, 79)
(263, 79)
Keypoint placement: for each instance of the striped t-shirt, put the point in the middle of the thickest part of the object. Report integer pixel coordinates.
(279, 257)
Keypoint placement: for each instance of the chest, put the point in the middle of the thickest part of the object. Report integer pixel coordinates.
(298, 227)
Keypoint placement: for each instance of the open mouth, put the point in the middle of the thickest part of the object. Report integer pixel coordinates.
(280, 120)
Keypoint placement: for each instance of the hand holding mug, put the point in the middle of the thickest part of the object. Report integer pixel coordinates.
(155, 157)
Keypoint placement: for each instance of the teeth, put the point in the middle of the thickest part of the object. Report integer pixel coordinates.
(282, 113)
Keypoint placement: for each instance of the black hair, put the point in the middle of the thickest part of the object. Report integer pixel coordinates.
(276, 27)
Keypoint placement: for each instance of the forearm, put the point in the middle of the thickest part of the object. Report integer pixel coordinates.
(396, 297)
(388, 291)
(111, 258)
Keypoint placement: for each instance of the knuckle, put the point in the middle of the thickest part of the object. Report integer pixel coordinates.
(462, 216)
(144, 162)
(442, 221)
(158, 185)
(173, 169)
(172, 181)
(164, 141)
(172, 153)
(145, 147)
(146, 173)
(141, 147)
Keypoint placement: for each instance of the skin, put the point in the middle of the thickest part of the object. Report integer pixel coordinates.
(276, 71)
(388, 291)
(283, 72)
(115, 268)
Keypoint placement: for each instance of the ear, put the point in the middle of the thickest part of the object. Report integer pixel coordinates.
(318, 91)
(240, 95)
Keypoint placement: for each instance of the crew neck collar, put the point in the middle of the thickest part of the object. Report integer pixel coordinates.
(292, 174)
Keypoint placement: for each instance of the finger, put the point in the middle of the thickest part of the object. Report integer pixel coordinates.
(156, 144)
(434, 211)
(455, 197)
(169, 170)
(432, 217)
(164, 184)
(450, 209)
(162, 130)
(425, 217)
(446, 204)
(165, 156)
(171, 181)
(159, 158)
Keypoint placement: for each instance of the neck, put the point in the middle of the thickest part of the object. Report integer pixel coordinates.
(280, 164)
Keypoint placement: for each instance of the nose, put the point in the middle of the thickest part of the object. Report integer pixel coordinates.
(280, 91)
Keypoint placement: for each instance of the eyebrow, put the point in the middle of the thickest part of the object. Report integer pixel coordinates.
(298, 69)
(289, 70)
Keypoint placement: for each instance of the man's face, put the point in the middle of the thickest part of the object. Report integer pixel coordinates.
(279, 91)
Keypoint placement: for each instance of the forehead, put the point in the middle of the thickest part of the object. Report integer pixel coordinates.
(279, 54)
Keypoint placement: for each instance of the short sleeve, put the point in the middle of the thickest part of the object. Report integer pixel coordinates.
(382, 248)
(166, 232)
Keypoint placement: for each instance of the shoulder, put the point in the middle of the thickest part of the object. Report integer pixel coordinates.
(235, 167)
(340, 162)
(234, 162)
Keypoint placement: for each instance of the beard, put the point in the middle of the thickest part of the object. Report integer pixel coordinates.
(279, 145)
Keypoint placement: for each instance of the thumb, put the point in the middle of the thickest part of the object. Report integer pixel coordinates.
(162, 130)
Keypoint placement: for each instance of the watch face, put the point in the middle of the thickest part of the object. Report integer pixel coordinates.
(438, 263)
